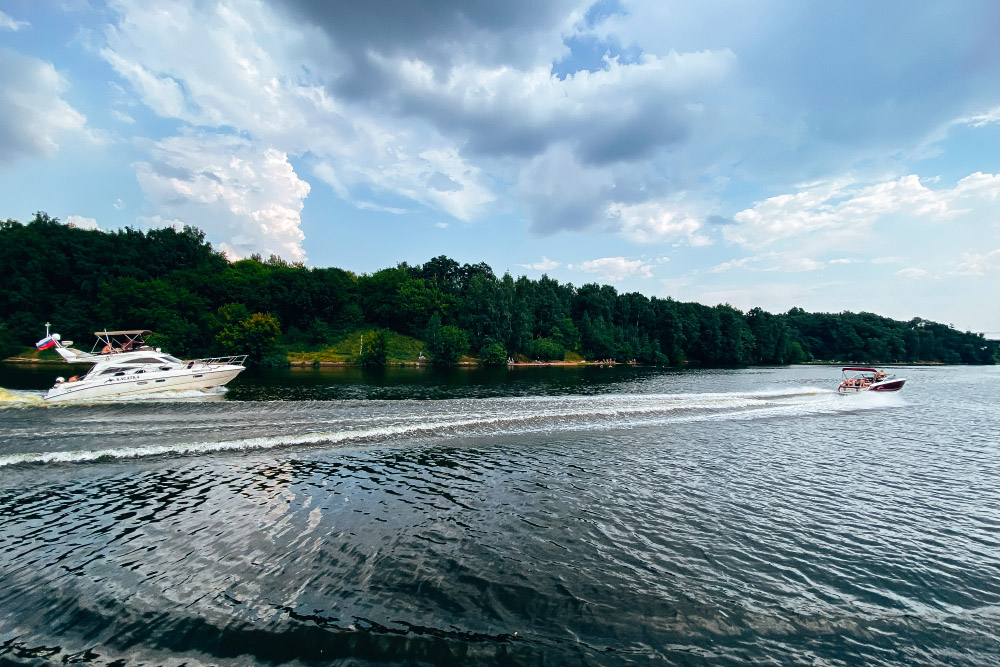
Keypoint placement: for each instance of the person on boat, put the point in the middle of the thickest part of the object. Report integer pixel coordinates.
(879, 376)
(107, 349)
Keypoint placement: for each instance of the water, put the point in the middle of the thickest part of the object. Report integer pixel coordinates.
(536, 516)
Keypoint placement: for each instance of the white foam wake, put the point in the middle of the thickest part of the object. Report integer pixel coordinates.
(507, 416)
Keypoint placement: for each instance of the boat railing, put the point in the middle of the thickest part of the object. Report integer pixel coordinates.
(234, 360)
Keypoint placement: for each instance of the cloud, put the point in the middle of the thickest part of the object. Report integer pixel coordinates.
(978, 264)
(912, 273)
(787, 263)
(545, 265)
(616, 269)
(518, 32)
(979, 120)
(246, 51)
(33, 116)
(81, 222)
(732, 264)
(797, 265)
(247, 195)
(417, 101)
(623, 112)
(849, 209)
(7, 23)
(559, 193)
(654, 222)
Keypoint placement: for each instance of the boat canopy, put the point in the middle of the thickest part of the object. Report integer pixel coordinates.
(121, 341)
(858, 368)
(132, 332)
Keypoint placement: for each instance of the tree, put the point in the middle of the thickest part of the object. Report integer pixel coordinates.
(375, 350)
(493, 355)
(445, 344)
(255, 335)
(547, 349)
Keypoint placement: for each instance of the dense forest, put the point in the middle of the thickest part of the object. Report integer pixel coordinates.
(200, 303)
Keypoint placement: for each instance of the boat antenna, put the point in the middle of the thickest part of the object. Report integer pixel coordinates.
(46, 329)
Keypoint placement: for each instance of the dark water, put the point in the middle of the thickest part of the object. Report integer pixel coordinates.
(530, 517)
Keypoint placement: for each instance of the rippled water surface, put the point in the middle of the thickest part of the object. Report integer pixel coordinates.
(533, 516)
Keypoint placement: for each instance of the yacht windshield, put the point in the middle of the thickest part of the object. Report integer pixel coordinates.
(172, 359)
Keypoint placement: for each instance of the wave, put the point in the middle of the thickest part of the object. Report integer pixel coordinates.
(482, 418)
(9, 399)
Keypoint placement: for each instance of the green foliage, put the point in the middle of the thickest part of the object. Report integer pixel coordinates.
(493, 355)
(198, 302)
(240, 332)
(375, 349)
(445, 344)
(547, 349)
(8, 346)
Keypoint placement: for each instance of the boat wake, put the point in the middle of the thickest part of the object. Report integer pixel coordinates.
(200, 427)
(27, 398)
(13, 399)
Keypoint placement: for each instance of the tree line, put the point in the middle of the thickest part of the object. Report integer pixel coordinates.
(199, 303)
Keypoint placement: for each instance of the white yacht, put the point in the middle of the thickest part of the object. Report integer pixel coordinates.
(123, 365)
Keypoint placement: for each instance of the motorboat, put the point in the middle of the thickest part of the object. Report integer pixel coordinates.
(124, 365)
(857, 379)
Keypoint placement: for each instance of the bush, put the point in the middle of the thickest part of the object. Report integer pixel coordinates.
(375, 350)
(494, 355)
(547, 349)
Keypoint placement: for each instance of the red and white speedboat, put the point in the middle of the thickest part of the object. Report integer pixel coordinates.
(858, 379)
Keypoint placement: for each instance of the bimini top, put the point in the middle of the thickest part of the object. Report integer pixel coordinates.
(858, 368)
(132, 332)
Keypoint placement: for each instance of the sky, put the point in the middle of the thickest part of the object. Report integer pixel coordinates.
(772, 153)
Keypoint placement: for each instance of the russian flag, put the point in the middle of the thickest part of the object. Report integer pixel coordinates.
(45, 343)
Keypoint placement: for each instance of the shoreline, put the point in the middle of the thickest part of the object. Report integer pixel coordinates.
(26, 361)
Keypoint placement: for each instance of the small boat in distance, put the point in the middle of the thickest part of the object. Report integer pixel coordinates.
(126, 366)
(856, 380)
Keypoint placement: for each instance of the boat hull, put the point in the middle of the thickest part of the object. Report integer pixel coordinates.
(884, 386)
(145, 383)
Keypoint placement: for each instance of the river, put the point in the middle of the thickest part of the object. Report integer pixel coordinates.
(532, 516)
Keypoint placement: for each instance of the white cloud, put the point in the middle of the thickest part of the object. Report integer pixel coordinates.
(797, 265)
(979, 120)
(978, 264)
(7, 23)
(732, 264)
(247, 195)
(912, 273)
(616, 269)
(847, 209)
(545, 265)
(655, 222)
(245, 66)
(81, 222)
(159, 92)
(33, 116)
(123, 117)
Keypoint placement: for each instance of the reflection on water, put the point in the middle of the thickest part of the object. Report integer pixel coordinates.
(731, 516)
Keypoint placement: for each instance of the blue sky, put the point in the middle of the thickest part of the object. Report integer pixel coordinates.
(828, 156)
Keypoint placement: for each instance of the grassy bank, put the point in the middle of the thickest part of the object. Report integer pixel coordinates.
(401, 350)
